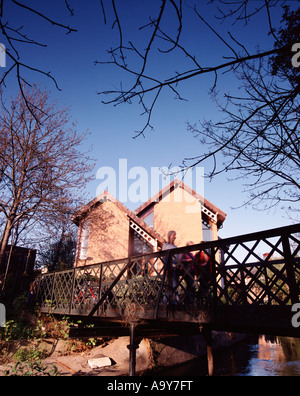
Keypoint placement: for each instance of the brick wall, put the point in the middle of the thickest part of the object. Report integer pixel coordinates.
(181, 212)
(108, 235)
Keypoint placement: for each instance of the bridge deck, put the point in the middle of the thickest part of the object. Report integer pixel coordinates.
(249, 285)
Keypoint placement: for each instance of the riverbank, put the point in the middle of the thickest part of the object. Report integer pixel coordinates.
(57, 356)
(256, 356)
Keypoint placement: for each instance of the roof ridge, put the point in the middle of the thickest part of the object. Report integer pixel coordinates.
(82, 211)
(179, 183)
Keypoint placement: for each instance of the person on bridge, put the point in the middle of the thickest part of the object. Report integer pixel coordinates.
(171, 241)
(188, 273)
(176, 260)
(203, 271)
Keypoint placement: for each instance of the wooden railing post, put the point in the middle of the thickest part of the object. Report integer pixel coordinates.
(289, 263)
(166, 261)
(214, 276)
(72, 291)
(243, 286)
(100, 287)
(52, 291)
(170, 285)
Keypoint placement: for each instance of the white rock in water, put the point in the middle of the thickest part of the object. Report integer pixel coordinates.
(99, 362)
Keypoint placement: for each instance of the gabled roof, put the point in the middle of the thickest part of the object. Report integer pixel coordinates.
(209, 209)
(106, 196)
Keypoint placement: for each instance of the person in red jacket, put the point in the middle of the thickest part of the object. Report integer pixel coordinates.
(188, 273)
(203, 271)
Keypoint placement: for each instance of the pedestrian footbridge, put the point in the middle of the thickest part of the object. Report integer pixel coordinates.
(250, 285)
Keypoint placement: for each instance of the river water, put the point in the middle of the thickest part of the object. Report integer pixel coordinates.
(257, 357)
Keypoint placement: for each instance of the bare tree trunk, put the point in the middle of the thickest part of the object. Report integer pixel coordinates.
(43, 168)
(4, 243)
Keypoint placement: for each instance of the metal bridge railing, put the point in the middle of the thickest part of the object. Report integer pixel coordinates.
(261, 269)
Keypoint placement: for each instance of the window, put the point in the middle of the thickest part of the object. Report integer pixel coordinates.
(207, 233)
(139, 244)
(149, 220)
(85, 233)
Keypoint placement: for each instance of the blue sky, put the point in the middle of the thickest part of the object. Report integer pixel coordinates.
(70, 58)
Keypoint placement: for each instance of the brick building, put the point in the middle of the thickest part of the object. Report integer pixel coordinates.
(108, 230)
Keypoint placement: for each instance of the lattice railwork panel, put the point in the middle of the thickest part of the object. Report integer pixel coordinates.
(44, 286)
(258, 270)
(112, 306)
(62, 291)
(137, 291)
(256, 273)
(295, 250)
(85, 288)
(189, 287)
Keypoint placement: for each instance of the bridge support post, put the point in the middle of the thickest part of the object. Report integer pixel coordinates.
(132, 351)
(210, 357)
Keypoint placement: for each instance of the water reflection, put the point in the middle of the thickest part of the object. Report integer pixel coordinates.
(257, 357)
(277, 357)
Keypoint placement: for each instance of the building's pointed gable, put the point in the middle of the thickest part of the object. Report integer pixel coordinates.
(107, 197)
(108, 230)
(209, 210)
(105, 229)
(178, 207)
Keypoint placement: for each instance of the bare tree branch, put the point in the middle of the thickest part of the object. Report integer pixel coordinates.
(16, 35)
(147, 87)
(53, 22)
(42, 167)
(259, 137)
